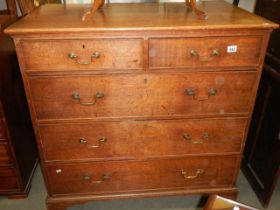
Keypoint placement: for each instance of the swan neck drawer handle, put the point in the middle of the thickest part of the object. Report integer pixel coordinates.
(187, 137)
(197, 174)
(191, 92)
(75, 57)
(103, 178)
(213, 54)
(101, 141)
(98, 95)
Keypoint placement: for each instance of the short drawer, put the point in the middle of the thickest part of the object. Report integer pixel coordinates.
(5, 156)
(133, 95)
(8, 180)
(65, 55)
(204, 52)
(125, 176)
(134, 139)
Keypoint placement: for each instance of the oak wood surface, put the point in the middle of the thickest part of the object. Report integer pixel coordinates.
(125, 176)
(142, 95)
(54, 54)
(62, 142)
(176, 52)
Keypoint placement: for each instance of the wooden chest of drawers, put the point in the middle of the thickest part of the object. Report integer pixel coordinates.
(142, 100)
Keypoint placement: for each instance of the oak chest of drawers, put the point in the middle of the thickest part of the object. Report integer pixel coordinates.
(141, 100)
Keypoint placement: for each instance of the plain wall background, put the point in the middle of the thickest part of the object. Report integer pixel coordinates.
(248, 5)
(3, 5)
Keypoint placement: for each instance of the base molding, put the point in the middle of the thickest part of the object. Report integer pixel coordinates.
(62, 203)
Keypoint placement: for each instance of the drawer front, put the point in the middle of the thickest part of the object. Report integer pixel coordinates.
(8, 179)
(125, 176)
(205, 52)
(142, 95)
(5, 157)
(65, 55)
(134, 139)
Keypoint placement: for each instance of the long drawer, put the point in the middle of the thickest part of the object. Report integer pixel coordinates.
(65, 55)
(133, 95)
(125, 176)
(138, 139)
(204, 52)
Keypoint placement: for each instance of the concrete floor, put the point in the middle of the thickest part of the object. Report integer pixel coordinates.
(37, 197)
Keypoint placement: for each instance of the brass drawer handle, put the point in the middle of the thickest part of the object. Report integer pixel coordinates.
(213, 54)
(75, 57)
(103, 178)
(101, 141)
(187, 136)
(191, 92)
(98, 95)
(197, 173)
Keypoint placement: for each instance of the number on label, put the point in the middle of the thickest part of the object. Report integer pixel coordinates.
(232, 49)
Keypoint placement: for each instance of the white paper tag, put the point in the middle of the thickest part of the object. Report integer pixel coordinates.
(58, 171)
(232, 49)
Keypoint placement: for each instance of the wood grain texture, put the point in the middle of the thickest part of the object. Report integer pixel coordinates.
(141, 175)
(53, 54)
(142, 95)
(176, 52)
(125, 139)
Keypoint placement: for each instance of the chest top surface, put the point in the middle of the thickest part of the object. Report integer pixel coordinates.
(146, 16)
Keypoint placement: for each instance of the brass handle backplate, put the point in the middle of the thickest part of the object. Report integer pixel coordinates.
(198, 172)
(101, 141)
(191, 92)
(103, 178)
(213, 54)
(187, 137)
(98, 95)
(75, 57)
